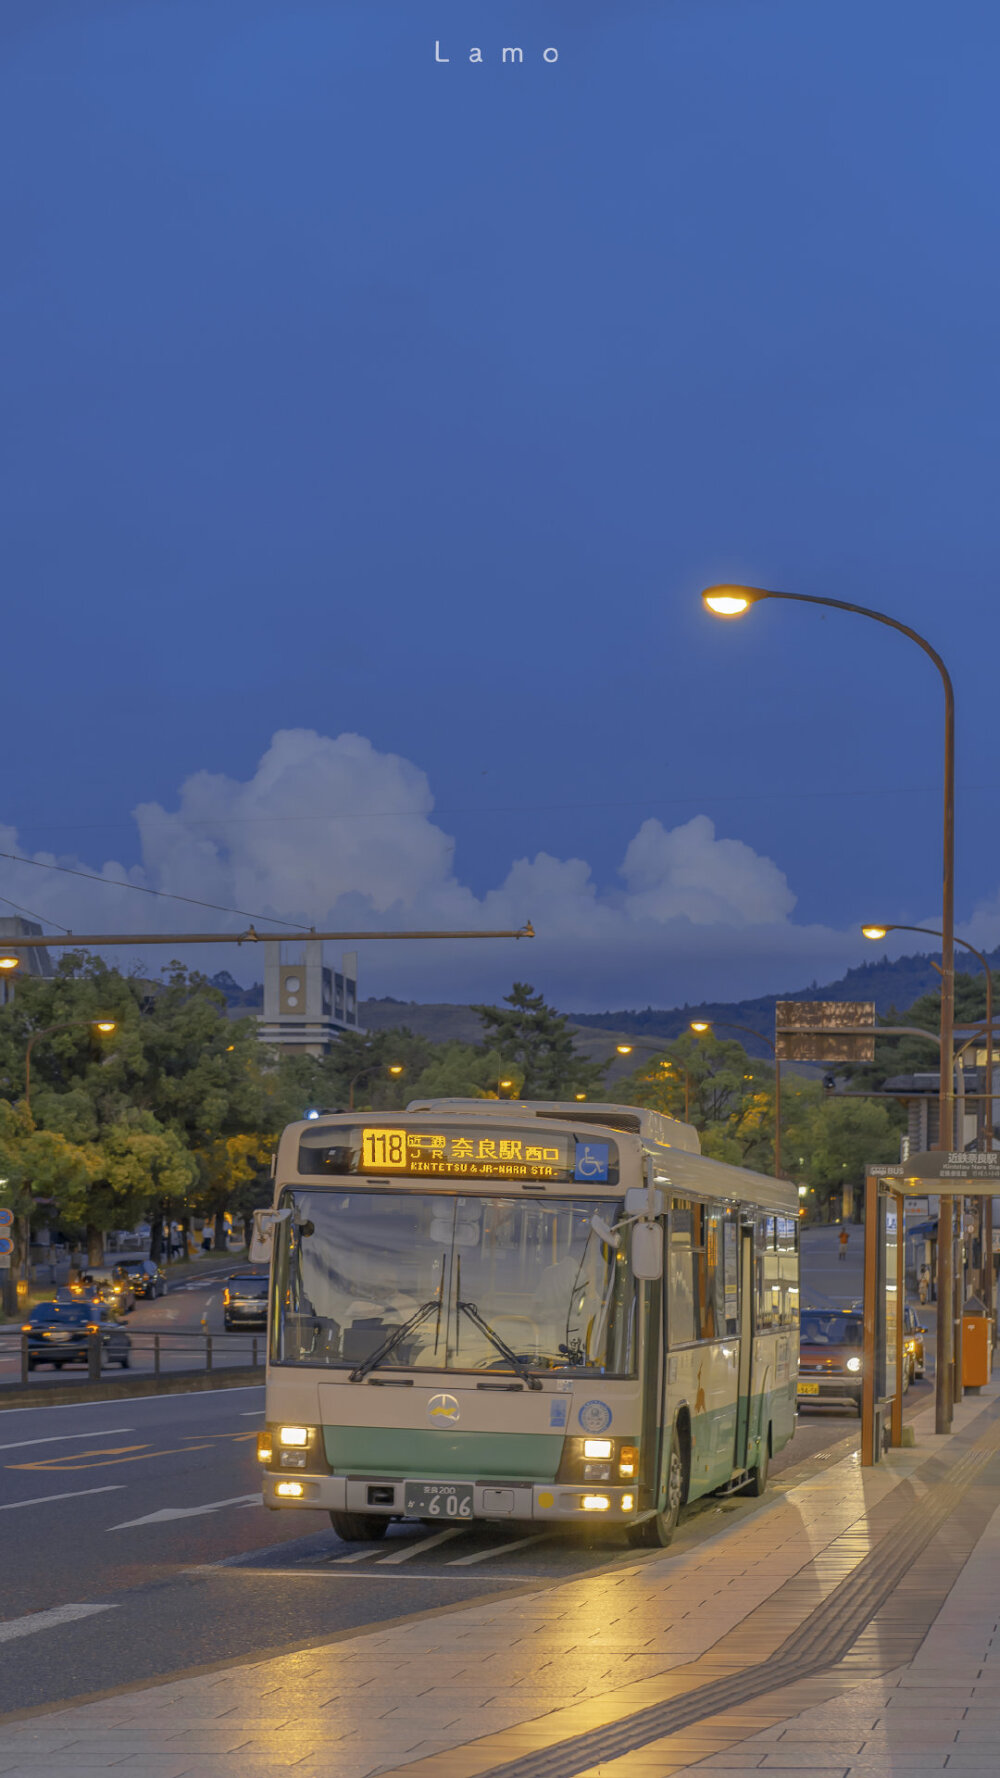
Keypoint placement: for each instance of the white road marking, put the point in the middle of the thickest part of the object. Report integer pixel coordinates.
(422, 1544)
(502, 1549)
(359, 1556)
(10, 1506)
(58, 1438)
(48, 1620)
(189, 1512)
(250, 1413)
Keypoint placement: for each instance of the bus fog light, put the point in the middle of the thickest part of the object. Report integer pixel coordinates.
(595, 1503)
(854, 1364)
(290, 1490)
(597, 1472)
(628, 1503)
(597, 1447)
(264, 1448)
(628, 1462)
(293, 1435)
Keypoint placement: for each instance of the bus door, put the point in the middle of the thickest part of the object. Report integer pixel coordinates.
(746, 1233)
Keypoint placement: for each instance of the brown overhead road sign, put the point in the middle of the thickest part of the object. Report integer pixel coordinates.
(825, 1030)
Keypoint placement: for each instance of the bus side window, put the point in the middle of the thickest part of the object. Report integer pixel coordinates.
(766, 1287)
(731, 1273)
(682, 1276)
(788, 1268)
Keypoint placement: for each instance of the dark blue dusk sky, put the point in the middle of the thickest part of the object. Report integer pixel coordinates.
(348, 392)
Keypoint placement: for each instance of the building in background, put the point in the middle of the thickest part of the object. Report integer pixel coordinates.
(307, 1006)
(34, 961)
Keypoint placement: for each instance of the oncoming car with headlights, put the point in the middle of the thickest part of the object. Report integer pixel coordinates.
(830, 1361)
(521, 1312)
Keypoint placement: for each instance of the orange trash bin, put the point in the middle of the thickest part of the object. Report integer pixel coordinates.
(976, 1353)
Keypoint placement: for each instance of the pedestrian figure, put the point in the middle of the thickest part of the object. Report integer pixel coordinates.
(844, 1238)
(923, 1283)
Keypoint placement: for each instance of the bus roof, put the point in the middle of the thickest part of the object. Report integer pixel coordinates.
(635, 1120)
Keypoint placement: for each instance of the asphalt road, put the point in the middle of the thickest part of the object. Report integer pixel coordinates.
(134, 1545)
(178, 1322)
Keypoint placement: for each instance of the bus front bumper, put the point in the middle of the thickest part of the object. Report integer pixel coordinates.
(550, 1502)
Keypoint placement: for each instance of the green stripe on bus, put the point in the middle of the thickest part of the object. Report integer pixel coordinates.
(478, 1456)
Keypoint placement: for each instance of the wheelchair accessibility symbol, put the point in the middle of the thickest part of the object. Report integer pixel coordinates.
(592, 1162)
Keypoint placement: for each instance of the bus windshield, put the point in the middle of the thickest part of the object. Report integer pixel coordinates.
(481, 1278)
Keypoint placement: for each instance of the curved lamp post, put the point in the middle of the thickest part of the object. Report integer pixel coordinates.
(728, 1025)
(104, 1025)
(733, 601)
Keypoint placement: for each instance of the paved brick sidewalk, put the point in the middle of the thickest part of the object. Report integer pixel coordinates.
(456, 1693)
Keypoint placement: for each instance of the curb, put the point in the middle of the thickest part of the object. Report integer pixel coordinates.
(14, 1395)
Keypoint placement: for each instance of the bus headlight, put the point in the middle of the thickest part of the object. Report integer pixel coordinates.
(294, 1435)
(853, 1365)
(597, 1447)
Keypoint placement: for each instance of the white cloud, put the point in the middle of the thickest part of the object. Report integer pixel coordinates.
(334, 833)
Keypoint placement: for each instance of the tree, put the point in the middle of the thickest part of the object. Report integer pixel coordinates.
(174, 1077)
(712, 1083)
(536, 1039)
(829, 1141)
(909, 1055)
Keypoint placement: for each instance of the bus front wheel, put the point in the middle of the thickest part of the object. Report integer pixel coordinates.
(358, 1527)
(658, 1530)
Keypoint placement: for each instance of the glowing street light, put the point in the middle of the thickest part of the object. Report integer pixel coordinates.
(624, 1049)
(396, 1068)
(102, 1025)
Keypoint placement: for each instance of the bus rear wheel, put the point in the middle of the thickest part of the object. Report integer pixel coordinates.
(359, 1527)
(657, 1531)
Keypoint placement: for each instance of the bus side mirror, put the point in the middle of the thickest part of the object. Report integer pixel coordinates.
(262, 1239)
(647, 1250)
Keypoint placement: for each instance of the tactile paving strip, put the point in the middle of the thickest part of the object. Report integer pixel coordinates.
(819, 1642)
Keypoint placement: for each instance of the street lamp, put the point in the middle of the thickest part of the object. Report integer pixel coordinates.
(733, 601)
(8, 965)
(396, 1068)
(985, 1204)
(624, 1049)
(102, 1025)
(700, 1025)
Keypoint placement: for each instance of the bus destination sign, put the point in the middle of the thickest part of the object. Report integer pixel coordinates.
(476, 1151)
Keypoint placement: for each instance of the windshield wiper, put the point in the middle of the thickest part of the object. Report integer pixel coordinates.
(517, 1364)
(433, 1307)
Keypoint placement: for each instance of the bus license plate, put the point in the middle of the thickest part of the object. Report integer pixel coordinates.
(808, 1389)
(438, 1500)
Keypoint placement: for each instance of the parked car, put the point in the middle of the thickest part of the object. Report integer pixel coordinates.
(244, 1301)
(145, 1277)
(830, 1358)
(112, 1285)
(59, 1333)
(913, 1343)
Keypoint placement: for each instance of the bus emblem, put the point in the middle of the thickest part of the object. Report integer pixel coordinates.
(443, 1408)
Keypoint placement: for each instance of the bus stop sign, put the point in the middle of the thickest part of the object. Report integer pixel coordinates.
(961, 1175)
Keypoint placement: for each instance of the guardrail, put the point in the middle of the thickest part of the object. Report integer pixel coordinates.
(155, 1351)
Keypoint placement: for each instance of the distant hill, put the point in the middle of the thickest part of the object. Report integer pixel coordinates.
(890, 984)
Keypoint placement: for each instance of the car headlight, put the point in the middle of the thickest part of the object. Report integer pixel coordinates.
(854, 1364)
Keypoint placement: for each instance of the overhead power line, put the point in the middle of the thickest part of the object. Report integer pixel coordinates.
(139, 889)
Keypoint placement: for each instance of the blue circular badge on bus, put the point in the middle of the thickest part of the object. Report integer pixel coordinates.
(595, 1416)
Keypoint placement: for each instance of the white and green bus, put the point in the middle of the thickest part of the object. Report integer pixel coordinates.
(522, 1312)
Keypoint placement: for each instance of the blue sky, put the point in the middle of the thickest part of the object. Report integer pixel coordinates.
(345, 392)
